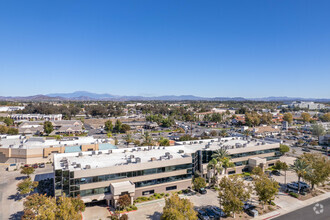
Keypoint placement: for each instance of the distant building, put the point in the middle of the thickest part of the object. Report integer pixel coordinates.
(308, 105)
(11, 108)
(285, 125)
(29, 150)
(24, 117)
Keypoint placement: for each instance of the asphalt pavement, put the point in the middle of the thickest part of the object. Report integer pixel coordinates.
(316, 211)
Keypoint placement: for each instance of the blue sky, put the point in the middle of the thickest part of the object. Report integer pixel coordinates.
(247, 48)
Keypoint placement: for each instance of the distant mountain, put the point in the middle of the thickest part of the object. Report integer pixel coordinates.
(88, 96)
(82, 94)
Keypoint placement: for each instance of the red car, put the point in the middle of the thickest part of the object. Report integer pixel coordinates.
(35, 166)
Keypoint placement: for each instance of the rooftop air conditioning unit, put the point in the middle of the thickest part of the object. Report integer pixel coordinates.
(167, 153)
(153, 159)
(80, 154)
(87, 166)
(100, 152)
(93, 152)
(109, 151)
(131, 156)
(138, 160)
(169, 156)
(149, 147)
(181, 151)
(212, 141)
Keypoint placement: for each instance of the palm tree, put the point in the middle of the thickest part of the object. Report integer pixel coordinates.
(220, 154)
(226, 163)
(128, 139)
(215, 166)
(147, 138)
(301, 168)
(223, 133)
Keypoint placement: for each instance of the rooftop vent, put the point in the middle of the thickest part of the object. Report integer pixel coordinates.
(138, 160)
(93, 152)
(100, 152)
(87, 166)
(153, 159)
(131, 156)
(149, 147)
(181, 151)
(109, 151)
(139, 149)
(80, 154)
(169, 156)
(78, 165)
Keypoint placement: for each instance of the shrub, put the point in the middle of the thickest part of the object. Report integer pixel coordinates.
(295, 195)
(134, 207)
(270, 208)
(272, 203)
(162, 194)
(167, 194)
(180, 192)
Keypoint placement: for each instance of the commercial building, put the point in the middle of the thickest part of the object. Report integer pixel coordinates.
(24, 117)
(307, 105)
(143, 171)
(28, 150)
(11, 108)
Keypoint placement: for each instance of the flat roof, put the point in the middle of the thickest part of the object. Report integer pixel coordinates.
(23, 142)
(118, 157)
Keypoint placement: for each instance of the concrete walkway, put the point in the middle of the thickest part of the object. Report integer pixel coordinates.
(290, 204)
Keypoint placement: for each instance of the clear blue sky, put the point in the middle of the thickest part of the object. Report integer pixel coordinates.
(247, 48)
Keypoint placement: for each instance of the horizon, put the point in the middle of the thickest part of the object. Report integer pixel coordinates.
(253, 49)
(62, 95)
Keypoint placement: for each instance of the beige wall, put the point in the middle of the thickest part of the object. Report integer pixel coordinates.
(133, 179)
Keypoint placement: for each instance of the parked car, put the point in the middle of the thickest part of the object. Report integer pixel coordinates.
(276, 173)
(26, 165)
(302, 184)
(248, 178)
(202, 214)
(42, 165)
(218, 211)
(211, 213)
(252, 212)
(292, 186)
(35, 166)
(202, 191)
(306, 150)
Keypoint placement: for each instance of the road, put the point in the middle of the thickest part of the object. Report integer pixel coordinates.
(308, 213)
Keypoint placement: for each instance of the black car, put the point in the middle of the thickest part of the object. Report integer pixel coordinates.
(211, 213)
(306, 150)
(202, 191)
(276, 173)
(202, 214)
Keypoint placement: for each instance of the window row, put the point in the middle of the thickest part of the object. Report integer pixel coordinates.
(130, 174)
(162, 180)
(89, 192)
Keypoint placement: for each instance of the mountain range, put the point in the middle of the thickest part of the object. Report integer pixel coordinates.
(88, 96)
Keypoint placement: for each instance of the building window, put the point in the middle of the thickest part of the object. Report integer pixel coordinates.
(271, 164)
(171, 188)
(144, 193)
(231, 172)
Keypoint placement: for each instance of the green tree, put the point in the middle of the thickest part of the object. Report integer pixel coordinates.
(124, 201)
(12, 131)
(125, 128)
(317, 130)
(108, 126)
(128, 139)
(325, 117)
(223, 133)
(319, 168)
(282, 166)
(288, 117)
(226, 163)
(176, 208)
(257, 171)
(117, 127)
(164, 142)
(38, 206)
(215, 167)
(306, 117)
(147, 139)
(232, 193)
(26, 186)
(3, 129)
(66, 209)
(301, 168)
(284, 148)
(27, 171)
(8, 121)
(266, 189)
(199, 183)
(220, 154)
(213, 133)
(48, 127)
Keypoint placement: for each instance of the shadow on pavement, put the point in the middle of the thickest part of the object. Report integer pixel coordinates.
(15, 197)
(155, 216)
(17, 215)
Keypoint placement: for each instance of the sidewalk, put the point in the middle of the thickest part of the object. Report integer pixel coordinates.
(290, 204)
